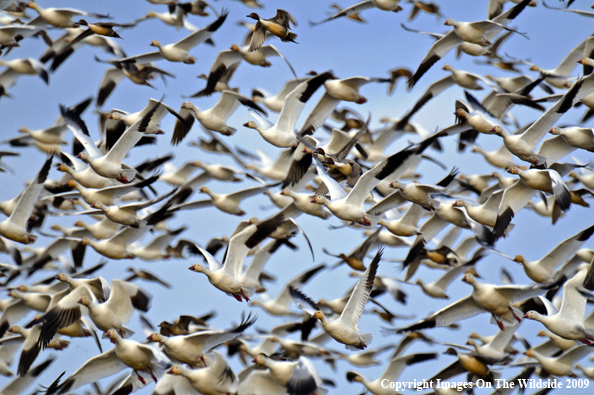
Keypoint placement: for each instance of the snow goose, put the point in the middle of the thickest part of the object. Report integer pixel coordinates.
(384, 5)
(303, 202)
(349, 207)
(8, 34)
(226, 276)
(126, 214)
(485, 213)
(119, 120)
(227, 59)
(190, 349)
(542, 270)
(116, 247)
(109, 165)
(94, 284)
(274, 102)
(216, 379)
(179, 51)
(34, 300)
(14, 227)
(158, 248)
(30, 67)
(484, 298)
(170, 19)
(215, 118)
(405, 226)
(559, 77)
(495, 7)
(423, 194)
(108, 195)
(254, 275)
(279, 25)
(393, 371)
(516, 196)
(298, 377)
(100, 230)
(58, 17)
(20, 384)
(568, 322)
(566, 140)
(83, 173)
(227, 203)
(437, 289)
(481, 33)
(561, 365)
(522, 145)
(500, 158)
(345, 329)
(279, 306)
(281, 134)
(147, 363)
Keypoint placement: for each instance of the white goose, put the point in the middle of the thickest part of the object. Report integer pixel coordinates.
(298, 377)
(58, 17)
(568, 322)
(227, 276)
(566, 140)
(215, 118)
(147, 363)
(523, 145)
(190, 349)
(227, 203)
(109, 165)
(28, 66)
(543, 269)
(393, 371)
(280, 305)
(216, 379)
(274, 102)
(179, 51)
(481, 33)
(496, 300)
(14, 227)
(349, 207)
(282, 134)
(345, 329)
(516, 196)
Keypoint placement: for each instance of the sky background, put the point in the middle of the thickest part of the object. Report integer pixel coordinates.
(349, 49)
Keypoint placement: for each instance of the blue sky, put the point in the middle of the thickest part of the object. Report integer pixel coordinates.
(347, 48)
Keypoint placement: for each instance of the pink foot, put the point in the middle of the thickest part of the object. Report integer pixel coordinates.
(237, 297)
(140, 378)
(515, 316)
(202, 359)
(245, 296)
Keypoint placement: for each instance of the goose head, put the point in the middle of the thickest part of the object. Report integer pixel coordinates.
(459, 203)
(519, 259)
(555, 131)
(84, 157)
(155, 43)
(318, 200)
(516, 169)
(85, 301)
(116, 115)
(234, 48)
(261, 359)
(98, 205)
(176, 370)
(85, 241)
(476, 149)
(529, 353)
(155, 337)
(113, 336)
(498, 130)
(151, 14)
(469, 278)
(532, 315)
(251, 125)
(447, 67)
(197, 268)
(318, 315)
(62, 277)
(450, 22)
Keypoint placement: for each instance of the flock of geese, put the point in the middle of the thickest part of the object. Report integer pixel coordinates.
(331, 280)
